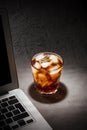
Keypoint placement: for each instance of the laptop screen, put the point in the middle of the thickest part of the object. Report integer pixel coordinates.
(8, 73)
(5, 76)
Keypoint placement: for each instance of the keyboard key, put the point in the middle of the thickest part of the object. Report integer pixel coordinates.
(21, 116)
(30, 120)
(21, 122)
(18, 105)
(13, 101)
(5, 99)
(4, 104)
(4, 110)
(15, 126)
(9, 114)
(2, 117)
(16, 112)
(10, 108)
(9, 120)
(12, 97)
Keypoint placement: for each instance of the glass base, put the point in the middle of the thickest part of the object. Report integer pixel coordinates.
(50, 92)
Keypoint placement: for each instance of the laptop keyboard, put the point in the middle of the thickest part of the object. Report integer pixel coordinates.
(12, 114)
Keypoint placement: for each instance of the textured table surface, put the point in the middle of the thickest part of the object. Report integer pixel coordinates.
(60, 27)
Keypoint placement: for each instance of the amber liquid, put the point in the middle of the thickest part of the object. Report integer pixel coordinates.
(47, 89)
(47, 79)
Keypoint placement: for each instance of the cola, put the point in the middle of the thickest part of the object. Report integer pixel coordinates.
(46, 69)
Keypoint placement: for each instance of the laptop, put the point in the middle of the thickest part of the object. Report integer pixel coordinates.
(16, 110)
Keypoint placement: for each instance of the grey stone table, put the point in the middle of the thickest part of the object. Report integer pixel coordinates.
(62, 28)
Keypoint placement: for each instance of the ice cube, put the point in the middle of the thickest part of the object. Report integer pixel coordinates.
(54, 72)
(42, 79)
(37, 65)
(54, 59)
(39, 57)
(45, 59)
(53, 68)
(45, 64)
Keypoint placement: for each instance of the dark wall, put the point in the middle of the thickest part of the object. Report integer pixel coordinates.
(49, 26)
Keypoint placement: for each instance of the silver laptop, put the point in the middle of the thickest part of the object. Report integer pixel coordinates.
(16, 110)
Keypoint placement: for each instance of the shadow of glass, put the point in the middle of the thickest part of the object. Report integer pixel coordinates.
(48, 98)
